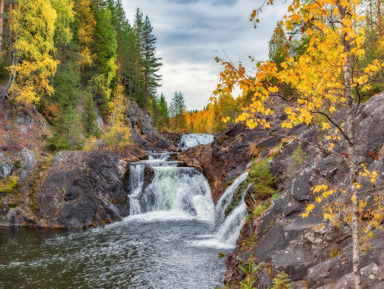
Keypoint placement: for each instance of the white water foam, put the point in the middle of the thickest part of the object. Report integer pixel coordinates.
(228, 229)
(176, 190)
(195, 139)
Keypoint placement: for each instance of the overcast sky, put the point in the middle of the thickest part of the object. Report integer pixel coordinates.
(191, 33)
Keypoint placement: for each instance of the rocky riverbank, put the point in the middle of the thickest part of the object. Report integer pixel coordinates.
(311, 251)
(82, 189)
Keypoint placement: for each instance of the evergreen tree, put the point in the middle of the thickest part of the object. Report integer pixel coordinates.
(104, 80)
(278, 46)
(67, 128)
(139, 81)
(147, 65)
(178, 110)
(151, 63)
(163, 113)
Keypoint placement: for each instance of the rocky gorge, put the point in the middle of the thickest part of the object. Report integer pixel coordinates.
(313, 252)
(89, 188)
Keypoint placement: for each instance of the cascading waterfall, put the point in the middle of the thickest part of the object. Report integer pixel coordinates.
(171, 207)
(226, 199)
(227, 228)
(185, 193)
(195, 139)
(179, 190)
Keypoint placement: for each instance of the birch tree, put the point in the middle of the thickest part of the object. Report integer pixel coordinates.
(326, 78)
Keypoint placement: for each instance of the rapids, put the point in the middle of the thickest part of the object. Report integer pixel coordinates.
(171, 239)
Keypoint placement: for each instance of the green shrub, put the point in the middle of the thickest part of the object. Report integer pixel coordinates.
(281, 281)
(275, 196)
(11, 186)
(259, 210)
(299, 158)
(263, 180)
(250, 269)
(221, 255)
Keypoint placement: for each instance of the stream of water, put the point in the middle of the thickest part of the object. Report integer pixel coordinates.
(170, 241)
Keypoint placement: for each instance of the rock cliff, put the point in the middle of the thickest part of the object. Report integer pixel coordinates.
(70, 189)
(311, 251)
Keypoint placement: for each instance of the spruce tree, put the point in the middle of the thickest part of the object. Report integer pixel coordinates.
(178, 110)
(67, 129)
(104, 81)
(151, 63)
(163, 113)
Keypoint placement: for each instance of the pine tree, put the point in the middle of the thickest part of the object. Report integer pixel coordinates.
(138, 82)
(104, 80)
(147, 65)
(178, 110)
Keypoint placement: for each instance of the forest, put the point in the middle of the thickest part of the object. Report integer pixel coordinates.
(288, 173)
(76, 60)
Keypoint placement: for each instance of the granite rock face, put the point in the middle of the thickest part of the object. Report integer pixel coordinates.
(143, 131)
(311, 251)
(82, 189)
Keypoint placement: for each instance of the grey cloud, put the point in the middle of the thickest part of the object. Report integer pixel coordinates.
(191, 33)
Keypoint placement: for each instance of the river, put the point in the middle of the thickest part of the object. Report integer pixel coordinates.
(171, 240)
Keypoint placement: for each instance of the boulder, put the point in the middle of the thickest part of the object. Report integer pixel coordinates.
(6, 165)
(82, 189)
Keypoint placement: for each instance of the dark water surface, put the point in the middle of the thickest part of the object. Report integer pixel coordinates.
(139, 252)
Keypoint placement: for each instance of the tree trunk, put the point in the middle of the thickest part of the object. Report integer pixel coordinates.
(353, 169)
(10, 15)
(379, 20)
(1, 26)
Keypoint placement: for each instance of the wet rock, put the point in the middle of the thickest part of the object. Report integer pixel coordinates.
(149, 175)
(291, 208)
(264, 280)
(295, 262)
(272, 242)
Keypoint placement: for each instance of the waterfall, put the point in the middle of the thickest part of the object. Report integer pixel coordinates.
(226, 199)
(160, 189)
(172, 189)
(136, 176)
(227, 228)
(159, 156)
(195, 139)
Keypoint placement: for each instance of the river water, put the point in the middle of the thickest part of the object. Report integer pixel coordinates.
(170, 241)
